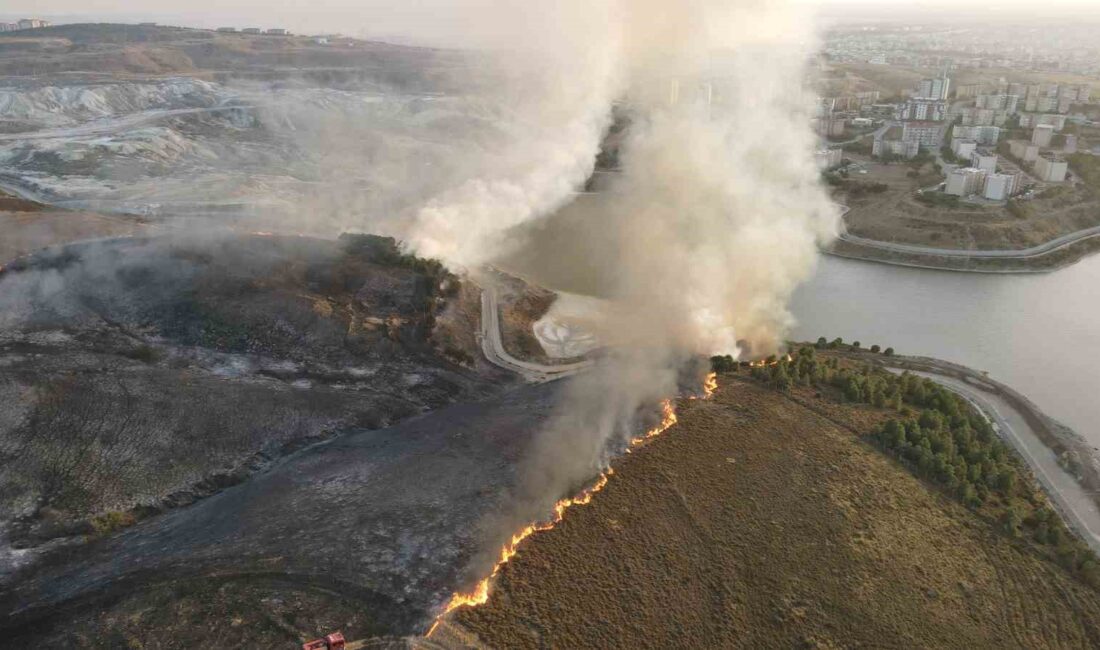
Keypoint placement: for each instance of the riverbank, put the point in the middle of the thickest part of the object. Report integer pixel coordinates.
(1053, 255)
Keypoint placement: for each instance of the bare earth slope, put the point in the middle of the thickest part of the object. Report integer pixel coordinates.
(757, 523)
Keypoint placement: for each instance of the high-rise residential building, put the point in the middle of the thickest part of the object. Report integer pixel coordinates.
(1051, 168)
(1023, 150)
(964, 181)
(985, 162)
(987, 135)
(1007, 103)
(828, 158)
(1001, 187)
(926, 134)
(890, 142)
(1031, 120)
(1042, 135)
(963, 148)
(1071, 144)
(934, 88)
(924, 110)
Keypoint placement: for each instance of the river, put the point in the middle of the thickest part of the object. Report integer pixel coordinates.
(1040, 334)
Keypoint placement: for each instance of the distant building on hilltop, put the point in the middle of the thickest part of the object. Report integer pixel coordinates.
(251, 30)
(278, 31)
(227, 29)
(32, 23)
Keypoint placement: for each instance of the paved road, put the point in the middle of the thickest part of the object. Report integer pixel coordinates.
(493, 347)
(1022, 253)
(1076, 505)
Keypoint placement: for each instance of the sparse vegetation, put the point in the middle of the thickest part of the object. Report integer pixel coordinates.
(943, 439)
(109, 522)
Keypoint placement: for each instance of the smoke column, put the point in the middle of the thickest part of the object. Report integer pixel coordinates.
(712, 223)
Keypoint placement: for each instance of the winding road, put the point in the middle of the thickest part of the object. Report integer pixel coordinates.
(1020, 253)
(1076, 505)
(492, 344)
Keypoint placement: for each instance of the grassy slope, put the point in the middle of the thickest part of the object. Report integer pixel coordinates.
(757, 523)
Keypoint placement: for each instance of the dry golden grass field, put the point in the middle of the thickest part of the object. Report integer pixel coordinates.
(758, 522)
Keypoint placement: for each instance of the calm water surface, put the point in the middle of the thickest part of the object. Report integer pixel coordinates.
(1039, 334)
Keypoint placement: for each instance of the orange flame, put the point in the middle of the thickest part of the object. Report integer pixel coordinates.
(710, 384)
(479, 595)
(764, 363)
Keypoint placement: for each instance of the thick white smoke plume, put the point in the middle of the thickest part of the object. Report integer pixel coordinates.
(712, 222)
(717, 213)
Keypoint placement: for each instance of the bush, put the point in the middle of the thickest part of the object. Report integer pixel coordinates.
(723, 363)
(109, 522)
(888, 352)
(875, 349)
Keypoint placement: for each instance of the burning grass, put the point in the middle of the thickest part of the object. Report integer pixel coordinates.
(762, 523)
(479, 595)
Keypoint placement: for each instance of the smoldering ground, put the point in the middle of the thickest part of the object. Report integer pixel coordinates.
(711, 222)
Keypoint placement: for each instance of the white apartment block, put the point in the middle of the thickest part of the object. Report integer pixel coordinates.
(1031, 120)
(926, 134)
(934, 88)
(924, 110)
(883, 147)
(963, 148)
(1042, 135)
(985, 162)
(1024, 150)
(987, 135)
(1001, 187)
(1051, 169)
(1006, 103)
(964, 181)
(827, 158)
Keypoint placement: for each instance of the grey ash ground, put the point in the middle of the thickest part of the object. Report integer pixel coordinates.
(256, 381)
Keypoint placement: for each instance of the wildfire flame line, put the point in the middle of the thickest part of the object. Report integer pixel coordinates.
(479, 595)
(764, 363)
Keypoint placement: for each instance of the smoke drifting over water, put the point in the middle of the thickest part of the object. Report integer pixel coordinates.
(716, 214)
(713, 220)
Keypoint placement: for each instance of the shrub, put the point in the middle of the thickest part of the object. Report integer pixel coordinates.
(109, 522)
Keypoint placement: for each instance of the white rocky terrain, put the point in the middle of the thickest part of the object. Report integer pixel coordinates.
(187, 147)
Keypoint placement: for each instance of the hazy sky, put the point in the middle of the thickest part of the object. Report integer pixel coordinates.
(428, 19)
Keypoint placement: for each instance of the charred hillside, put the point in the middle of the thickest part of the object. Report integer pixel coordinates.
(139, 375)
